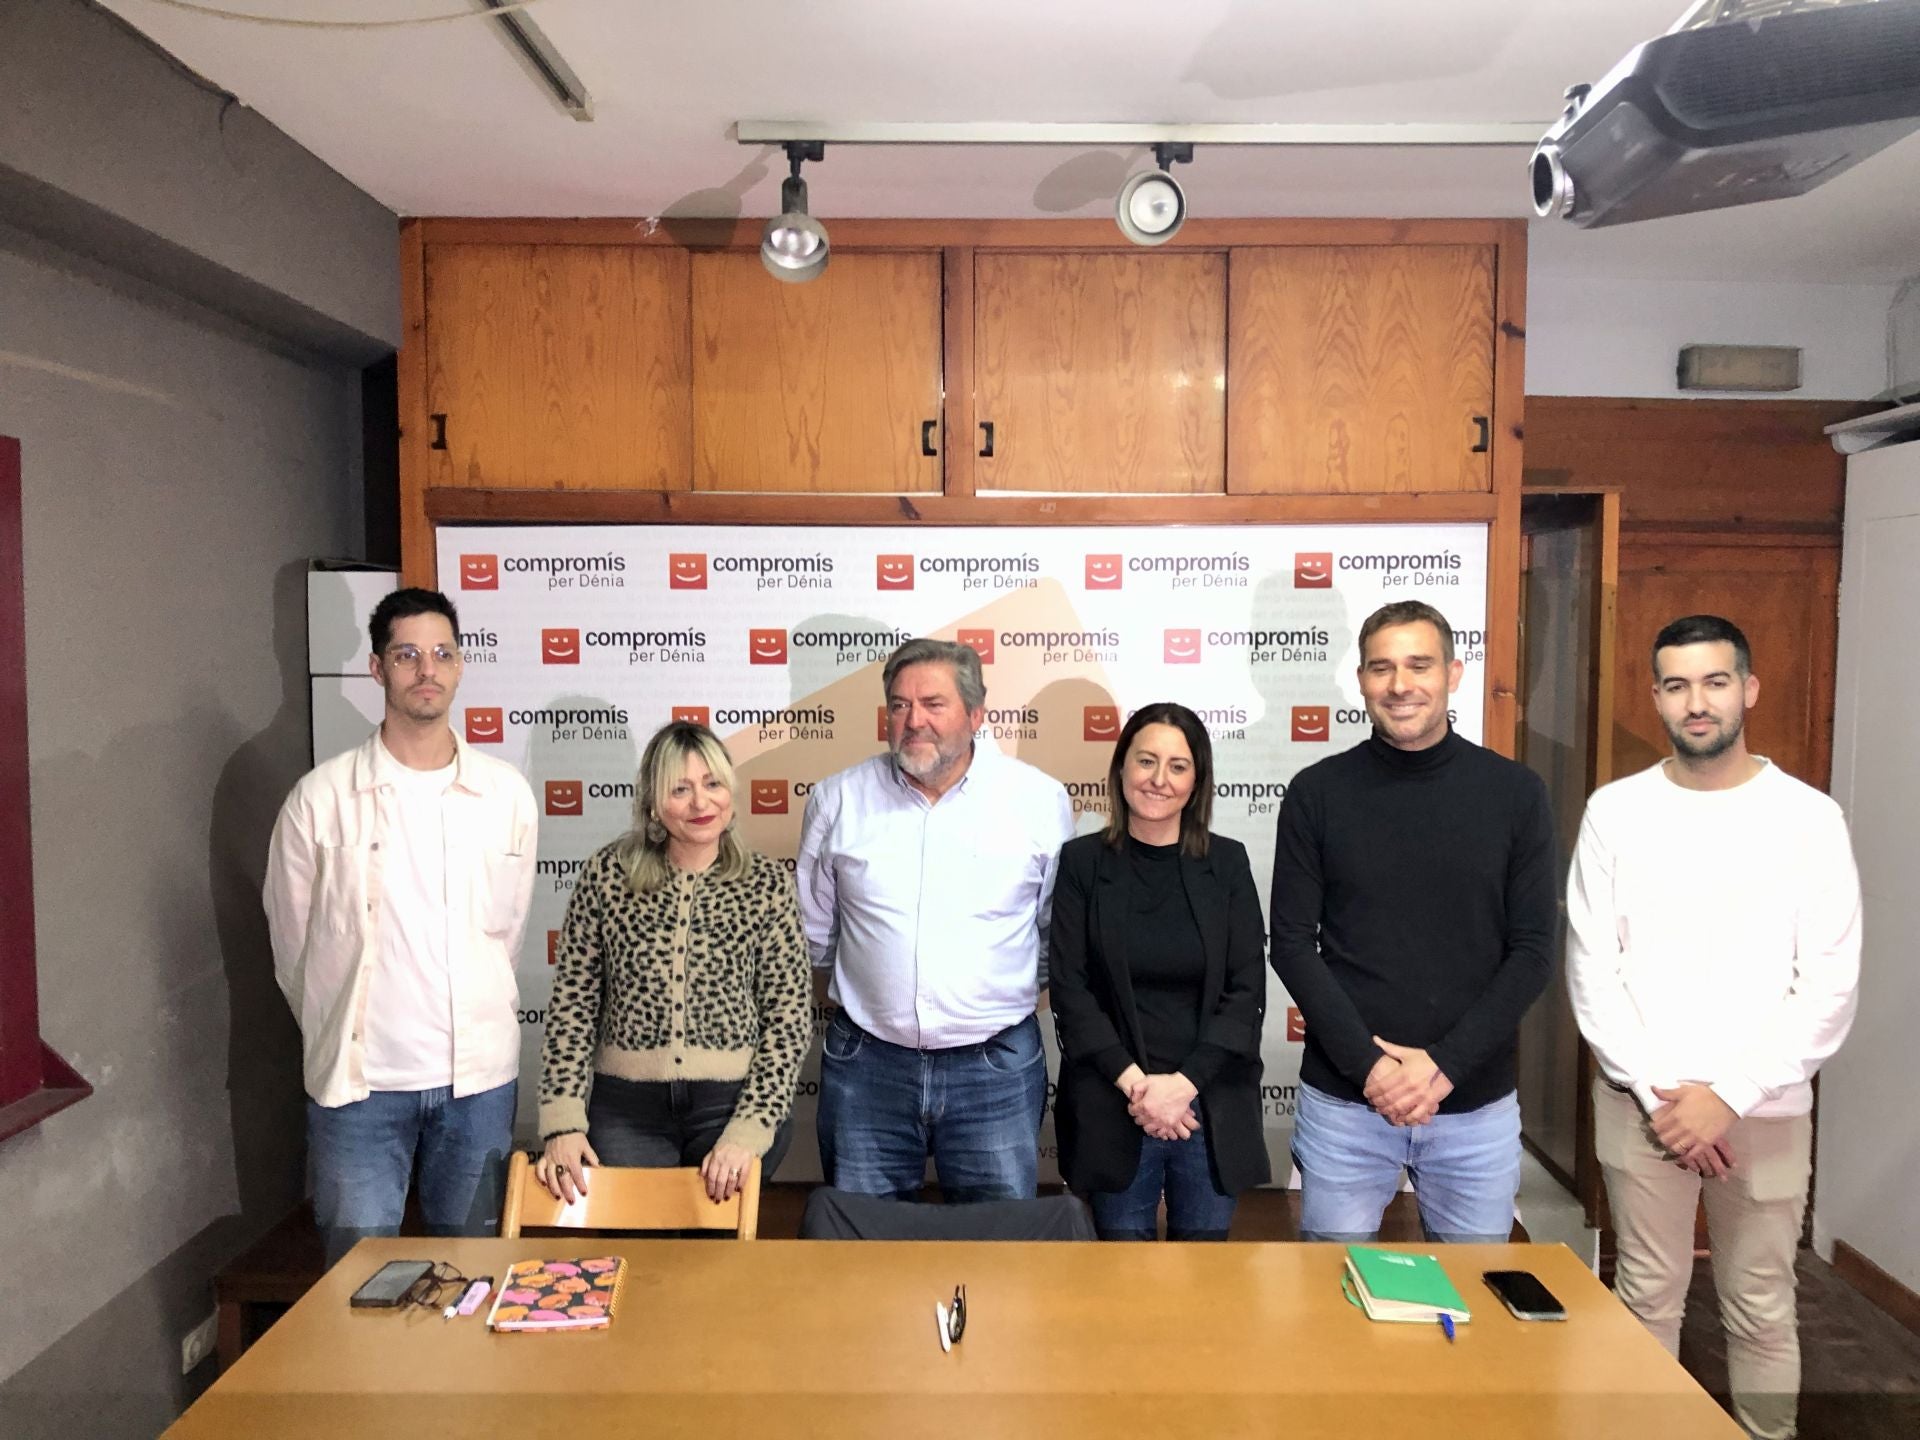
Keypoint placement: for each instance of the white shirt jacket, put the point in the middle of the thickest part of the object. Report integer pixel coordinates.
(323, 902)
(1714, 936)
(932, 916)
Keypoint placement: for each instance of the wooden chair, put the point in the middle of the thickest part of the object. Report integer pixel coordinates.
(628, 1198)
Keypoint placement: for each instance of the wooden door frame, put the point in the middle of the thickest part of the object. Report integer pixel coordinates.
(1586, 1182)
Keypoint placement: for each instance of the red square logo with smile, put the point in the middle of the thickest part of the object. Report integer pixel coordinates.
(768, 797)
(1100, 722)
(1182, 647)
(1103, 572)
(766, 647)
(553, 947)
(1312, 723)
(1313, 570)
(559, 647)
(686, 572)
(978, 641)
(565, 797)
(486, 725)
(882, 736)
(893, 572)
(692, 714)
(1296, 1023)
(479, 572)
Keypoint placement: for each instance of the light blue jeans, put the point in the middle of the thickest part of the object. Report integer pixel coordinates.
(363, 1155)
(1465, 1169)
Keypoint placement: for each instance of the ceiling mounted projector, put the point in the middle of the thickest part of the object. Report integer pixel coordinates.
(1743, 100)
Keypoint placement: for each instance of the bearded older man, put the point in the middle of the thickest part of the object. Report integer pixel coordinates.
(925, 878)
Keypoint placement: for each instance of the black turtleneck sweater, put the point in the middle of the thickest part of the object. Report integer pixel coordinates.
(1413, 899)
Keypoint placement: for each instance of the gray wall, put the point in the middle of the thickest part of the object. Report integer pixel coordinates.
(113, 150)
(185, 300)
(175, 479)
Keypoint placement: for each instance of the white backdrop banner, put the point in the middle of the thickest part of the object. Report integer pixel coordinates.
(583, 640)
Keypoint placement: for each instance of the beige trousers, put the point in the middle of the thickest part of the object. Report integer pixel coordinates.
(1753, 1223)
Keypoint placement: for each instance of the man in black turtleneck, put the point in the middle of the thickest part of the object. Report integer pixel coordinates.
(1414, 885)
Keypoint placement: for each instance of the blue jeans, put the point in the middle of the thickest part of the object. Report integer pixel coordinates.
(1465, 1169)
(1196, 1208)
(667, 1123)
(975, 1108)
(363, 1155)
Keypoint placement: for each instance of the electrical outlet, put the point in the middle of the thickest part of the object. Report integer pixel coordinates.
(197, 1344)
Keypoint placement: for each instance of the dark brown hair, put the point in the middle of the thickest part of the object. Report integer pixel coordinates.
(1198, 814)
(1407, 612)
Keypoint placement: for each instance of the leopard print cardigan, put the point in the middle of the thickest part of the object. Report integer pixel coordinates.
(703, 979)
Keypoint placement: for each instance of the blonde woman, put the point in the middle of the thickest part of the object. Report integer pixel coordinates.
(681, 1003)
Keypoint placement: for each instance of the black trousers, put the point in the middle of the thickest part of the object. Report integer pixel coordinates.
(659, 1124)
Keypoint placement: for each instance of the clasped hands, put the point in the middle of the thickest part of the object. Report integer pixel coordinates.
(1405, 1085)
(1161, 1105)
(1692, 1126)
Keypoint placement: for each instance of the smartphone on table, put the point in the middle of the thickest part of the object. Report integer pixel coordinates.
(389, 1285)
(1523, 1294)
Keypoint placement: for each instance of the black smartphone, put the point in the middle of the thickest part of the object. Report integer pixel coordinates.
(1523, 1294)
(389, 1285)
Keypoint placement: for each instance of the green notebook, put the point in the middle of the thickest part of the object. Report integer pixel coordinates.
(1393, 1285)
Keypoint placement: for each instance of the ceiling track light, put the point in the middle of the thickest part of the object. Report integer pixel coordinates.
(1474, 135)
(1151, 206)
(543, 61)
(794, 245)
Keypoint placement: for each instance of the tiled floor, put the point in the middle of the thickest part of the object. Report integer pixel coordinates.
(1552, 1215)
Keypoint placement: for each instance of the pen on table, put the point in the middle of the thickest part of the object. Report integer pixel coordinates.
(1446, 1326)
(470, 1302)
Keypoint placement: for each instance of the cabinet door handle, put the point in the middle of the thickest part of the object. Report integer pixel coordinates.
(439, 440)
(1480, 445)
(927, 427)
(986, 434)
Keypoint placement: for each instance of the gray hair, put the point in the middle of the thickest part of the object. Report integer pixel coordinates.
(963, 658)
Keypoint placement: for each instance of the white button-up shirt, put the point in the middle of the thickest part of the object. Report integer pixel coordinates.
(932, 916)
(325, 911)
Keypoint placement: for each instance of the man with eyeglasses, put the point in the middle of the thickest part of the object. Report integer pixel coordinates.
(397, 888)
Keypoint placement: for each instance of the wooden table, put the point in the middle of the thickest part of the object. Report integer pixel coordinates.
(837, 1340)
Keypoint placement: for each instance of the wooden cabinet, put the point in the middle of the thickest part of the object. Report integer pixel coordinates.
(826, 386)
(1361, 369)
(558, 366)
(1100, 372)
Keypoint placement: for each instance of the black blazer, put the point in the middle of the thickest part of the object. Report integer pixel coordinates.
(1093, 1010)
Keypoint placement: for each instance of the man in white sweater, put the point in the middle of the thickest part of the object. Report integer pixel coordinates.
(1713, 953)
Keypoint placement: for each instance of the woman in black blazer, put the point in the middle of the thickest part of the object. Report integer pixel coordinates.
(1158, 989)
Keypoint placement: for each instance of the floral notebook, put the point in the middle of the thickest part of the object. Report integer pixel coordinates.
(558, 1294)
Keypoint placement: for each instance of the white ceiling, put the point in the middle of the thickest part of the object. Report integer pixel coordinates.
(443, 120)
